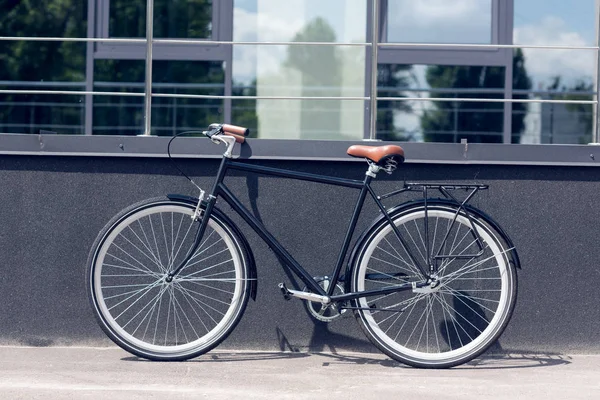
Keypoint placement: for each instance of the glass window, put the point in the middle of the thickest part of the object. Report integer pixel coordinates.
(172, 19)
(50, 66)
(440, 121)
(556, 74)
(301, 70)
(171, 115)
(439, 21)
(243, 111)
(24, 113)
(558, 123)
(53, 18)
(124, 115)
(118, 115)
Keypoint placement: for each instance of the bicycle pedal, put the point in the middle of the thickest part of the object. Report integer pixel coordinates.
(284, 291)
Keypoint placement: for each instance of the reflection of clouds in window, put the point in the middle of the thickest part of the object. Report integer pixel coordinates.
(277, 21)
(440, 21)
(300, 71)
(544, 64)
(255, 27)
(578, 16)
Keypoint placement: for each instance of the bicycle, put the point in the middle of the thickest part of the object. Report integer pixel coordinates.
(432, 282)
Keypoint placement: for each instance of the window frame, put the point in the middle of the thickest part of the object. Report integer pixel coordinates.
(222, 21)
(502, 27)
(502, 34)
(384, 34)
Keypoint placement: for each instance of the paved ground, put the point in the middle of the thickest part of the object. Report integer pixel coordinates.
(100, 373)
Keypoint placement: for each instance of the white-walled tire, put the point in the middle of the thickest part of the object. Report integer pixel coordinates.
(448, 326)
(144, 313)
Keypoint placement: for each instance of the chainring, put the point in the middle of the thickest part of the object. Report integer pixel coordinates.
(324, 313)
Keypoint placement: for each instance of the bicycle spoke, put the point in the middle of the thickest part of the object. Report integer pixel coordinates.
(414, 242)
(211, 287)
(189, 291)
(211, 267)
(461, 296)
(166, 242)
(200, 304)
(412, 267)
(154, 237)
(148, 315)
(136, 260)
(193, 308)
(141, 310)
(183, 240)
(143, 291)
(444, 324)
(147, 242)
(145, 272)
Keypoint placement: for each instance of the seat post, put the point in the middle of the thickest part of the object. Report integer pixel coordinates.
(372, 170)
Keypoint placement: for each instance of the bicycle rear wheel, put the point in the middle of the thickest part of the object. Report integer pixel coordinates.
(458, 320)
(144, 313)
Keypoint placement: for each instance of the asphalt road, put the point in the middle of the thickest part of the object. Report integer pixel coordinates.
(110, 373)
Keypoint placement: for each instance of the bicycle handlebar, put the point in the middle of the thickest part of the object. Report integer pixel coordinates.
(237, 132)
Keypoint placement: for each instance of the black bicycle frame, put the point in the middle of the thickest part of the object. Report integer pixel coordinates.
(221, 190)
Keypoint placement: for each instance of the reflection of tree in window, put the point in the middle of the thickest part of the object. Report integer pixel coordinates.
(568, 123)
(169, 115)
(478, 122)
(119, 115)
(42, 62)
(172, 18)
(319, 67)
(391, 80)
(243, 111)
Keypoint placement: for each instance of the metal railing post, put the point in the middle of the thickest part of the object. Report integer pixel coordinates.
(374, 48)
(596, 125)
(148, 88)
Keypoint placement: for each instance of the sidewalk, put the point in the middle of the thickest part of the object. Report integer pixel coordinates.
(100, 373)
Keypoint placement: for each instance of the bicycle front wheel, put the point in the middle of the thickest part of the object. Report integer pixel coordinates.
(144, 313)
(459, 319)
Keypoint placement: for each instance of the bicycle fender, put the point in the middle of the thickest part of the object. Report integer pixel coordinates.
(472, 210)
(245, 245)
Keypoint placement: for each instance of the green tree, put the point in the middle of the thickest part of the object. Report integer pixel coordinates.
(319, 67)
(243, 111)
(583, 112)
(478, 122)
(391, 80)
(41, 61)
(55, 61)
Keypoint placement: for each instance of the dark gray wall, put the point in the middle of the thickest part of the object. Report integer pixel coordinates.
(52, 208)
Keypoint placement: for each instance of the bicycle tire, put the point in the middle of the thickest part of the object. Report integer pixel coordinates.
(464, 316)
(143, 313)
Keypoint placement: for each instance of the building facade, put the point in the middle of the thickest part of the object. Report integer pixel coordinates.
(482, 70)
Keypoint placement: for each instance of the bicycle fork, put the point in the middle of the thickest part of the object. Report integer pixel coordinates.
(199, 233)
(203, 217)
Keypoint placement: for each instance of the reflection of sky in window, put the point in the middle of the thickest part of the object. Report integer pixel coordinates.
(556, 22)
(578, 15)
(290, 14)
(439, 21)
(274, 20)
(536, 22)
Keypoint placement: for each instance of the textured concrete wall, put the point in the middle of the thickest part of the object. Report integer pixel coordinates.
(53, 207)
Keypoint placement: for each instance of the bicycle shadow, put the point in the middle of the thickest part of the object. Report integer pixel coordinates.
(231, 356)
(486, 362)
(459, 332)
(491, 362)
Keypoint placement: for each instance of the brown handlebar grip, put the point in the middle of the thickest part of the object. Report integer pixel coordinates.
(236, 130)
(238, 138)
